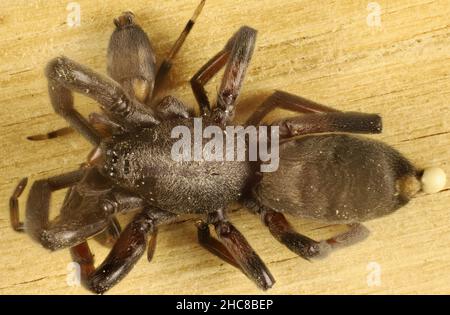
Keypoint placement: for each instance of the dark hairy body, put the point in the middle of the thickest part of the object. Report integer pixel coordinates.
(337, 179)
(141, 162)
(326, 177)
(324, 172)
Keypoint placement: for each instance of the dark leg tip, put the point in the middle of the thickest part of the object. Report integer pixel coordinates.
(306, 247)
(19, 227)
(54, 70)
(97, 289)
(322, 250)
(201, 225)
(37, 137)
(98, 283)
(267, 281)
(49, 241)
(20, 187)
(357, 233)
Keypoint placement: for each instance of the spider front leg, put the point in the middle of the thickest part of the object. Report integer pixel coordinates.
(38, 203)
(125, 253)
(234, 249)
(131, 59)
(111, 234)
(88, 208)
(131, 62)
(65, 75)
(236, 55)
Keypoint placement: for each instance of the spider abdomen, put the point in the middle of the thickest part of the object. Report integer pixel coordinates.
(338, 178)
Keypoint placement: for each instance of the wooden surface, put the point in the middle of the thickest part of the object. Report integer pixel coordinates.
(322, 50)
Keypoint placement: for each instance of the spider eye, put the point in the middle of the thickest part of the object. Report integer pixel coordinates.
(109, 206)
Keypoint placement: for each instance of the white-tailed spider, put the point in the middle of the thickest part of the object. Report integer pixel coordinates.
(324, 173)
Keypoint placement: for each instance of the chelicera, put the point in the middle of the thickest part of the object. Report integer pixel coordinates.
(324, 173)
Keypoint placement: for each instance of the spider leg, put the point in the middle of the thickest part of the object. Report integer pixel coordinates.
(152, 244)
(38, 203)
(52, 134)
(234, 249)
(88, 208)
(131, 63)
(319, 118)
(215, 247)
(329, 122)
(166, 65)
(111, 234)
(131, 58)
(201, 78)
(281, 99)
(123, 256)
(357, 232)
(236, 56)
(102, 123)
(171, 107)
(304, 246)
(65, 75)
(14, 205)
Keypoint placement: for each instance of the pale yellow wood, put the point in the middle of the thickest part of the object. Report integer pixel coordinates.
(323, 50)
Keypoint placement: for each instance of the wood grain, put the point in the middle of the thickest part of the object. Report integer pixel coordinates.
(322, 50)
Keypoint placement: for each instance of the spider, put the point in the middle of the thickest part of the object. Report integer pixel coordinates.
(324, 173)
